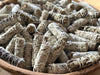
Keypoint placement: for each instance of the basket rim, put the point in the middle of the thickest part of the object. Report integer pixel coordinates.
(19, 71)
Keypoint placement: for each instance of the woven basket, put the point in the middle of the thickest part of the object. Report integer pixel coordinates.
(92, 70)
(13, 70)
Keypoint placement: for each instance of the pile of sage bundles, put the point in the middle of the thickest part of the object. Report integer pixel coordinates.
(50, 36)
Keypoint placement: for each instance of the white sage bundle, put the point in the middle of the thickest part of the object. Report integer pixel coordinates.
(70, 7)
(94, 15)
(76, 38)
(15, 8)
(23, 16)
(42, 27)
(77, 6)
(5, 38)
(63, 58)
(2, 16)
(99, 21)
(7, 28)
(64, 2)
(31, 8)
(26, 35)
(19, 47)
(57, 31)
(42, 57)
(10, 20)
(49, 6)
(80, 54)
(94, 29)
(39, 1)
(11, 46)
(56, 51)
(6, 9)
(88, 35)
(76, 46)
(52, 39)
(81, 22)
(74, 64)
(80, 14)
(77, 24)
(31, 28)
(10, 58)
(36, 46)
(28, 55)
(20, 1)
(60, 25)
(63, 19)
(44, 15)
